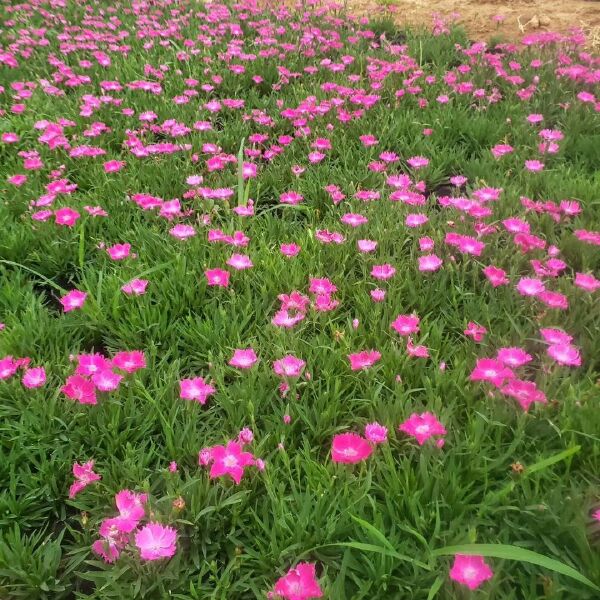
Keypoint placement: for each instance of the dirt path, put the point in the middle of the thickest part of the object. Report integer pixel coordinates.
(520, 16)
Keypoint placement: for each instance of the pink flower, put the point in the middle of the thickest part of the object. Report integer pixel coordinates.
(182, 232)
(321, 286)
(243, 358)
(378, 295)
(417, 162)
(195, 389)
(289, 366)
(495, 275)
(366, 245)
(429, 262)
(422, 427)
(73, 300)
(88, 364)
(350, 448)
(524, 392)
(156, 541)
(131, 510)
(240, 262)
(112, 166)
(535, 166)
(529, 286)
(383, 272)
(565, 354)
(299, 583)
(587, 282)
(119, 251)
(416, 351)
(34, 378)
(230, 460)
(291, 198)
(136, 287)
(84, 475)
(217, 277)
(289, 250)
(363, 360)
(79, 388)
(130, 362)
(66, 216)
(489, 369)
(471, 571)
(475, 331)
(513, 357)
(406, 324)
(554, 335)
(106, 381)
(376, 433)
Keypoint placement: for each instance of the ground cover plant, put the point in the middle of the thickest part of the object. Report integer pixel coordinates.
(295, 305)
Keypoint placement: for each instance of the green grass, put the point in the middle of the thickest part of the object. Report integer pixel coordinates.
(383, 529)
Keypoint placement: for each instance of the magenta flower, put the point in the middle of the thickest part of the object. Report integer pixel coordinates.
(471, 571)
(366, 245)
(84, 475)
(106, 380)
(429, 262)
(587, 282)
(529, 286)
(383, 272)
(73, 300)
(88, 364)
(565, 354)
(240, 262)
(130, 362)
(230, 460)
(289, 250)
(131, 510)
(406, 324)
(136, 287)
(156, 541)
(217, 277)
(34, 377)
(182, 232)
(299, 583)
(363, 360)
(495, 275)
(289, 366)
(119, 251)
(376, 433)
(243, 358)
(475, 332)
(491, 370)
(66, 216)
(79, 388)
(422, 427)
(195, 389)
(524, 392)
(513, 357)
(350, 448)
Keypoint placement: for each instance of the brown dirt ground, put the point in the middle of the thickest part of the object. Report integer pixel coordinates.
(521, 16)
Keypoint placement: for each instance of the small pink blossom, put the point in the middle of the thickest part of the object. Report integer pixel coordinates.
(243, 358)
(34, 377)
(350, 448)
(363, 360)
(471, 571)
(156, 541)
(136, 287)
(73, 300)
(422, 427)
(300, 583)
(195, 389)
(217, 277)
(84, 475)
(376, 433)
